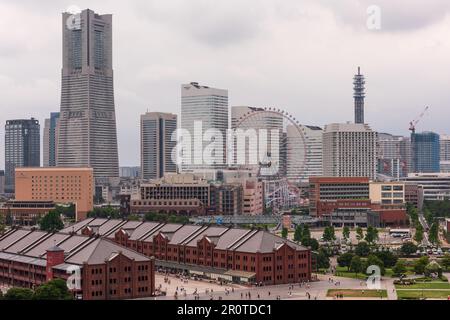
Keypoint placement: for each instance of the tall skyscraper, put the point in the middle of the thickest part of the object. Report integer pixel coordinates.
(392, 161)
(157, 145)
(445, 153)
(50, 140)
(22, 148)
(2, 181)
(208, 106)
(445, 147)
(426, 152)
(314, 149)
(349, 150)
(87, 130)
(359, 83)
(405, 153)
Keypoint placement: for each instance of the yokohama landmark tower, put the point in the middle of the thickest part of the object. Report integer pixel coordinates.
(87, 133)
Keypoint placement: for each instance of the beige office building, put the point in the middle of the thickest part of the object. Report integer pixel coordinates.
(60, 185)
(349, 150)
(387, 193)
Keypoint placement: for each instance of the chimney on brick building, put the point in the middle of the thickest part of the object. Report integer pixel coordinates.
(55, 256)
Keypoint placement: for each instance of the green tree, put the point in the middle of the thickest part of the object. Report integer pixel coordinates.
(107, 212)
(345, 260)
(53, 290)
(433, 234)
(356, 265)
(439, 208)
(428, 215)
(418, 236)
(179, 219)
(329, 234)
(313, 244)
(420, 265)
(306, 232)
(51, 222)
(19, 294)
(2, 224)
(346, 233)
(359, 233)
(433, 268)
(412, 212)
(389, 259)
(445, 262)
(307, 241)
(371, 235)
(133, 217)
(408, 248)
(67, 211)
(323, 259)
(362, 249)
(298, 234)
(399, 269)
(284, 233)
(373, 260)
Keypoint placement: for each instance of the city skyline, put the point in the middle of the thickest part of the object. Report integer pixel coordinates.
(87, 134)
(322, 85)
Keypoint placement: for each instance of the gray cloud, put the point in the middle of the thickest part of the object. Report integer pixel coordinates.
(296, 55)
(213, 23)
(396, 16)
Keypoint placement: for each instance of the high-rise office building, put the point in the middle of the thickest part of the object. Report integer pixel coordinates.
(349, 150)
(313, 155)
(2, 181)
(392, 161)
(445, 153)
(445, 147)
(405, 153)
(130, 172)
(207, 107)
(50, 140)
(359, 83)
(426, 152)
(157, 145)
(87, 126)
(22, 148)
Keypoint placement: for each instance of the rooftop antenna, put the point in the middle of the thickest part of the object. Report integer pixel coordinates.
(359, 94)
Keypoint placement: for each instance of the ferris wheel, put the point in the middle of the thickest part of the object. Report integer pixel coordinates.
(282, 161)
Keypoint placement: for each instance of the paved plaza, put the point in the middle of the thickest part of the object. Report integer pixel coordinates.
(316, 290)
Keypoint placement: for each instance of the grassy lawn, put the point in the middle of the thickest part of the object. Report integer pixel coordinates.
(343, 272)
(419, 294)
(350, 293)
(426, 285)
(389, 273)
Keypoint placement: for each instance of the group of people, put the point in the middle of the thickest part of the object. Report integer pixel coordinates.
(336, 283)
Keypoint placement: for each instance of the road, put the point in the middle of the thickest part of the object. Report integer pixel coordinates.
(310, 291)
(424, 223)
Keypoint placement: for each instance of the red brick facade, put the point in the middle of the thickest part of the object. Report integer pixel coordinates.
(102, 269)
(284, 264)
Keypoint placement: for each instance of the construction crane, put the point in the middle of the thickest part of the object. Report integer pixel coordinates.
(412, 128)
(413, 124)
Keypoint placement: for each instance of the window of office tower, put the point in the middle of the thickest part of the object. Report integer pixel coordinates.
(76, 49)
(99, 49)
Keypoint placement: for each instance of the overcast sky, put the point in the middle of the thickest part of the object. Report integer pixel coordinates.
(297, 55)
